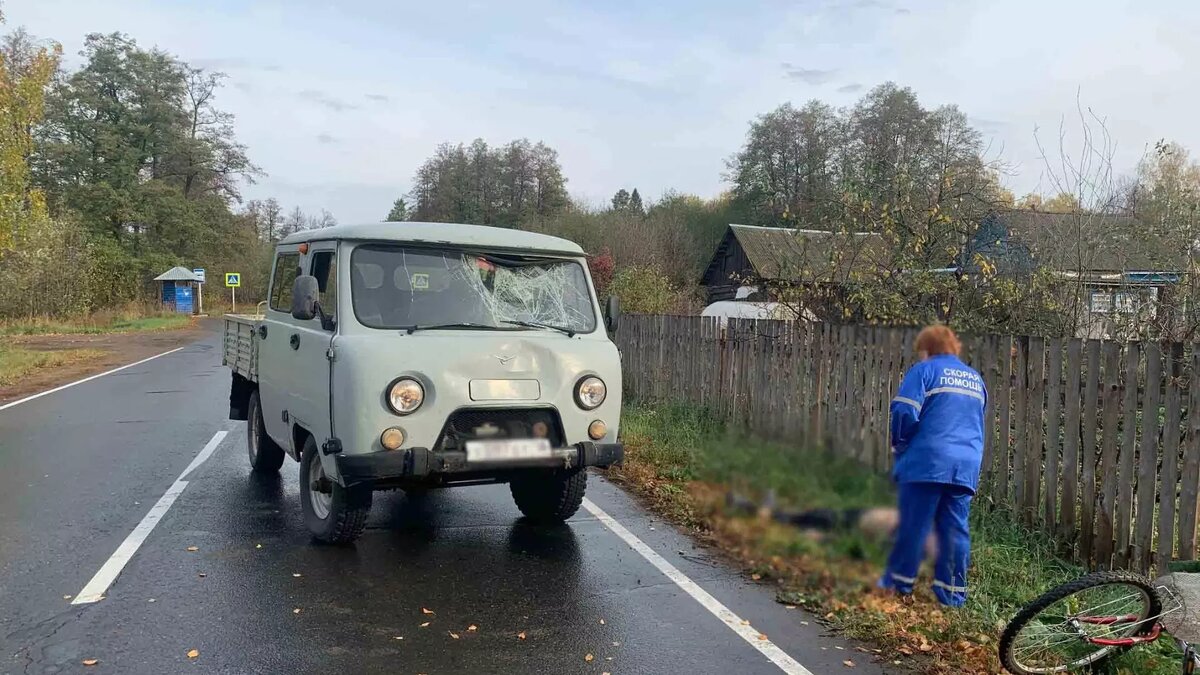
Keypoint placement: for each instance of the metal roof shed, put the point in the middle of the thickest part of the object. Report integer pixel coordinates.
(176, 291)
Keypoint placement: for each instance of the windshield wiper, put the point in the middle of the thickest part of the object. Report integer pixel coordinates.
(533, 324)
(440, 326)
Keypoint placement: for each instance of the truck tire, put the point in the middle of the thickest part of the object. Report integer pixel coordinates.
(334, 517)
(550, 500)
(265, 454)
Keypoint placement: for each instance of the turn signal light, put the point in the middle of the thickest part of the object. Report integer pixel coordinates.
(392, 438)
(597, 430)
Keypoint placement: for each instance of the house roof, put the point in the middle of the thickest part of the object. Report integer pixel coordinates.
(177, 274)
(450, 234)
(778, 253)
(1090, 242)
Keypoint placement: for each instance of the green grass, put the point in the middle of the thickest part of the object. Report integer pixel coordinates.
(1010, 564)
(95, 325)
(16, 363)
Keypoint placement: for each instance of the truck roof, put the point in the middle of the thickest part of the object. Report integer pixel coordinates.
(453, 234)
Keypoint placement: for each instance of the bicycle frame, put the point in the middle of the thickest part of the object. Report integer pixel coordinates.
(1153, 635)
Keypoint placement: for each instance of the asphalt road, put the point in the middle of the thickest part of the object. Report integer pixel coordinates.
(82, 467)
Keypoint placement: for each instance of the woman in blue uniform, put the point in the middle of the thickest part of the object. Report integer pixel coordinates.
(937, 440)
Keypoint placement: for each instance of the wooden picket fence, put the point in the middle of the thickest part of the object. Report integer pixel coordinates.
(1095, 442)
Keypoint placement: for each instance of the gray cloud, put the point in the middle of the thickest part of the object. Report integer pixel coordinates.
(235, 63)
(326, 139)
(988, 126)
(808, 75)
(325, 100)
(851, 88)
(379, 98)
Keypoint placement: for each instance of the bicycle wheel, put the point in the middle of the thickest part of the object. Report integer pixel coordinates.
(1064, 629)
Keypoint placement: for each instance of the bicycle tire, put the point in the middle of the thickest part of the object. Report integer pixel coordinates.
(1054, 595)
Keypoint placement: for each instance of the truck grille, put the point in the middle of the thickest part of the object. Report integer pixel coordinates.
(491, 423)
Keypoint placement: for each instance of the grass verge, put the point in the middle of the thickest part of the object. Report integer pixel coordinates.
(681, 460)
(16, 362)
(96, 324)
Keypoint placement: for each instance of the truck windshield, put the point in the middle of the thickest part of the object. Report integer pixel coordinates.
(396, 287)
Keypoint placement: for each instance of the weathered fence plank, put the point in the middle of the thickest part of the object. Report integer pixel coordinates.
(1053, 410)
(1020, 398)
(1189, 480)
(1169, 484)
(1123, 518)
(1070, 459)
(1108, 457)
(1147, 466)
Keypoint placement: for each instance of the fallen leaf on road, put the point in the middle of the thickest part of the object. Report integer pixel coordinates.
(762, 636)
(588, 658)
(803, 623)
(905, 651)
(848, 663)
(399, 637)
(66, 597)
(756, 577)
(601, 622)
(427, 611)
(193, 548)
(789, 607)
(926, 647)
(193, 653)
(202, 575)
(472, 628)
(521, 635)
(453, 635)
(150, 600)
(424, 624)
(296, 574)
(616, 644)
(839, 648)
(745, 622)
(90, 662)
(258, 546)
(296, 611)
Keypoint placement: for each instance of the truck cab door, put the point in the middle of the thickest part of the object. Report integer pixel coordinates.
(309, 344)
(274, 376)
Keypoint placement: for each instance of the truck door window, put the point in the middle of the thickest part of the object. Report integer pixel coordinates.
(287, 267)
(324, 268)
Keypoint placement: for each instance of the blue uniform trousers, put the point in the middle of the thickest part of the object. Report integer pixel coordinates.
(943, 507)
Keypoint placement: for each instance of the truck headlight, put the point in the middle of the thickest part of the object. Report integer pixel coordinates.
(405, 395)
(590, 392)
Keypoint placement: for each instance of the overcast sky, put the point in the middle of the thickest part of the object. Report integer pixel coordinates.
(340, 101)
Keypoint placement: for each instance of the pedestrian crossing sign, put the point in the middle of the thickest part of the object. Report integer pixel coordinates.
(233, 279)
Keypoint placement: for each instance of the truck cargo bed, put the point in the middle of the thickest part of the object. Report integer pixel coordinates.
(240, 350)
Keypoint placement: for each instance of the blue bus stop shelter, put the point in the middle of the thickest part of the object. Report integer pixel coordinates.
(177, 290)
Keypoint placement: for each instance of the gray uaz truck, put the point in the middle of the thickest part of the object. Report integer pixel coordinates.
(427, 355)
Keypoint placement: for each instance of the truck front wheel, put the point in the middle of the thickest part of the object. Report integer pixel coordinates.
(333, 513)
(550, 499)
(265, 454)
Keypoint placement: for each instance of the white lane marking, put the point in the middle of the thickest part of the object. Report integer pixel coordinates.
(95, 589)
(86, 379)
(747, 632)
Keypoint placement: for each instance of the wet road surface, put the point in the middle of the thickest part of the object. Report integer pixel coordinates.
(83, 466)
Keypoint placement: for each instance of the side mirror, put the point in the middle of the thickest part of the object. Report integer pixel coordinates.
(304, 298)
(612, 313)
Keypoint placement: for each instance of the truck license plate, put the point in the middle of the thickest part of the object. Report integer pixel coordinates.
(504, 451)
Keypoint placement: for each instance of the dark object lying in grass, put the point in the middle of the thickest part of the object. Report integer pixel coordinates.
(877, 523)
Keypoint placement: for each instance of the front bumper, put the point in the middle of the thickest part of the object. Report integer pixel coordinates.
(417, 465)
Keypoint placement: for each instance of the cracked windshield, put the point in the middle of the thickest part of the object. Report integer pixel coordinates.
(405, 288)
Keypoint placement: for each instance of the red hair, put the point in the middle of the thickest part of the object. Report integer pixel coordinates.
(938, 339)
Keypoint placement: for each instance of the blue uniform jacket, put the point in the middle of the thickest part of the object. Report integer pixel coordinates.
(937, 423)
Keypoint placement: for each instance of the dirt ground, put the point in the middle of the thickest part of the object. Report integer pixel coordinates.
(118, 349)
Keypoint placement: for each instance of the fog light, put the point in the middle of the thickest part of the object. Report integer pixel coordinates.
(540, 430)
(597, 430)
(392, 438)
